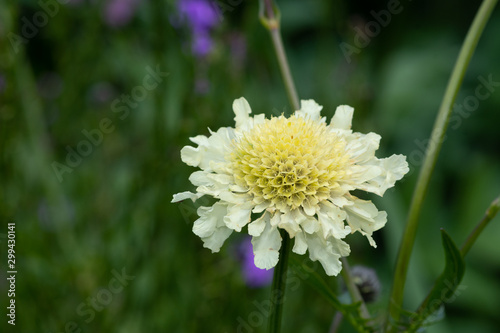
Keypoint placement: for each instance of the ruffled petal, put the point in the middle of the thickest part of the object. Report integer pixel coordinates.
(217, 239)
(186, 195)
(362, 147)
(393, 169)
(210, 226)
(242, 110)
(364, 217)
(331, 220)
(342, 119)
(290, 223)
(327, 252)
(309, 109)
(209, 150)
(238, 216)
(257, 227)
(300, 245)
(200, 178)
(266, 247)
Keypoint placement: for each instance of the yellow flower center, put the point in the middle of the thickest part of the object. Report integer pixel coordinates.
(289, 162)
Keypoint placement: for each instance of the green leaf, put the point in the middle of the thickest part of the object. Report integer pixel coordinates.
(445, 286)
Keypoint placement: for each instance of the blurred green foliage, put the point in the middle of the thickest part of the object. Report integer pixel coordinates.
(112, 211)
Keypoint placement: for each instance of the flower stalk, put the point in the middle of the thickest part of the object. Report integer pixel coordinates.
(488, 216)
(279, 285)
(436, 140)
(353, 289)
(271, 22)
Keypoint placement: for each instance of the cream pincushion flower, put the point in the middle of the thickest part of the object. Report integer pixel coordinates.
(293, 173)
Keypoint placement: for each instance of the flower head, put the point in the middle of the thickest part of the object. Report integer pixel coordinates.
(294, 174)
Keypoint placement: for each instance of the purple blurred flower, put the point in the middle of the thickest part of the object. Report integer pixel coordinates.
(254, 277)
(200, 16)
(201, 44)
(118, 13)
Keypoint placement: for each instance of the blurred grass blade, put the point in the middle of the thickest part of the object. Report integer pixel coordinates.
(445, 286)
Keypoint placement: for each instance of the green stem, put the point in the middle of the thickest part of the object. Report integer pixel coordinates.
(436, 141)
(353, 289)
(488, 216)
(279, 285)
(272, 23)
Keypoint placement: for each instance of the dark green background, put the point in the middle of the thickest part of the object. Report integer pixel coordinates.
(113, 211)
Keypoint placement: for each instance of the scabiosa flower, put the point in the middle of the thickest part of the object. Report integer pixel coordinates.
(294, 174)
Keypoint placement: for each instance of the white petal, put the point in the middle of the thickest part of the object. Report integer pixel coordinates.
(364, 217)
(339, 200)
(221, 178)
(199, 140)
(393, 169)
(342, 118)
(361, 175)
(261, 207)
(234, 198)
(211, 150)
(259, 119)
(257, 227)
(205, 225)
(362, 147)
(331, 219)
(238, 216)
(190, 155)
(242, 110)
(199, 178)
(309, 209)
(275, 219)
(328, 252)
(217, 239)
(309, 109)
(308, 223)
(186, 195)
(266, 247)
(300, 245)
(289, 222)
(210, 226)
